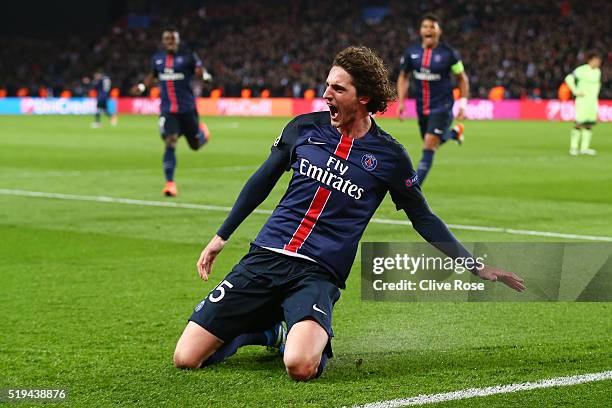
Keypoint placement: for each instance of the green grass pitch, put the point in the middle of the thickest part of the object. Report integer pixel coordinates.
(93, 296)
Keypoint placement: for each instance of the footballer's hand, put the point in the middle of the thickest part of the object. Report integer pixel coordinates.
(579, 94)
(209, 255)
(400, 111)
(461, 114)
(206, 77)
(491, 273)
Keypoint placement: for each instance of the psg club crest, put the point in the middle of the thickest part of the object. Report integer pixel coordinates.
(412, 181)
(368, 161)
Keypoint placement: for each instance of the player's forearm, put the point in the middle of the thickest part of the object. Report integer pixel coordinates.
(147, 82)
(402, 87)
(464, 85)
(434, 231)
(203, 74)
(254, 192)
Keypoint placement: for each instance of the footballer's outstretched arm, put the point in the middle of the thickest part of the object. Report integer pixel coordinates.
(403, 82)
(254, 192)
(464, 92)
(148, 82)
(407, 196)
(199, 70)
(435, 231)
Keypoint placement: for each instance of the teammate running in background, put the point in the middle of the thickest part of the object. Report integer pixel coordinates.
(431, 64)
(175, 68)
(102, 85)
(343, 165)
(585, 83)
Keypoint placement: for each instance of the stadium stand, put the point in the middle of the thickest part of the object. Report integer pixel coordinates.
(518, 49)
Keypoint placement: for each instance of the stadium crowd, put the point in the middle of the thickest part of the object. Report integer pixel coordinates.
(285, 47)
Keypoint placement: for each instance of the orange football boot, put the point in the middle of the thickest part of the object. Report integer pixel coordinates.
(170, 189)
(459, 129)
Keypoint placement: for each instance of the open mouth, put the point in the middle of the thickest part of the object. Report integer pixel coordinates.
(333, 111)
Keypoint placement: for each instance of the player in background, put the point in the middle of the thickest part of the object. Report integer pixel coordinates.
(432, 64)
(175, 68)
(102, 85)
(585, 83)
(343, 165)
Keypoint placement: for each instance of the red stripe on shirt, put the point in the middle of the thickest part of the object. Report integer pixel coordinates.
(309, 221)
(170, 85)
(426, 91)
(344, 147)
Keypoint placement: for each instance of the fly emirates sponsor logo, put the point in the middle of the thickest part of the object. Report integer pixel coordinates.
(332, 176)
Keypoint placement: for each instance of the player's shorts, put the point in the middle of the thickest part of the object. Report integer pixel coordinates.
(187, 124)
(265, 288)
(103, 104)
(586, 111)
(435, 123)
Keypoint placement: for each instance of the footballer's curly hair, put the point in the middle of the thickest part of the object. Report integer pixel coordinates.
(370, 76)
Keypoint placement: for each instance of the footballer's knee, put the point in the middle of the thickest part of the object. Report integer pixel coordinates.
(431, 142)
(170, 141)
(185, 360)
(301, 368)
(194, 347)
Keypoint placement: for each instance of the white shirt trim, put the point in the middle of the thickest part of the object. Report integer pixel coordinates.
(289, 253)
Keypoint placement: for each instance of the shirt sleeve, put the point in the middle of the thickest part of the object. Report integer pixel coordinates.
(570, 80)
(456, 63)
(197, 62)
(406, 194)
(261, 183)
(153, 68)
(405, 62)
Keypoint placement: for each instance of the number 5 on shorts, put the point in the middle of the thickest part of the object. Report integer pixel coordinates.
(221, 289)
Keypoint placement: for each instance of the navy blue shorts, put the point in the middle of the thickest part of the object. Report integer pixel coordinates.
(435, 123)
(102, 104)
(187, 124)
(265, 288)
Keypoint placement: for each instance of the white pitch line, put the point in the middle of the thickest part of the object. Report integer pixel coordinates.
(484, 392)
(172, 204)
(58, 173)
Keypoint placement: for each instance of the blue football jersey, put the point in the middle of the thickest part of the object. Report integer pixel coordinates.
(431, 69)
(337, 185)
(175, 72)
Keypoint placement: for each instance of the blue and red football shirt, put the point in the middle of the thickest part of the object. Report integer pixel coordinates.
(431, 69)
(337, 185)
(175, 71)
